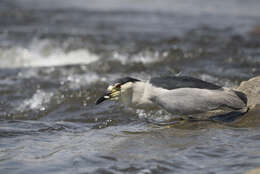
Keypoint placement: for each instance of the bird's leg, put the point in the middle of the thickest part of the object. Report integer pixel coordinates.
(229, 117)
(193, 119)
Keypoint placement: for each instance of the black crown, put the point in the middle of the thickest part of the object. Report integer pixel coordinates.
(125, 80)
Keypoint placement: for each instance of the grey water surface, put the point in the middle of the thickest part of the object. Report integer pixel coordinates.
(58, 56)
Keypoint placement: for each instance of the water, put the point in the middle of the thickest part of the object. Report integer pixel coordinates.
(57, 57)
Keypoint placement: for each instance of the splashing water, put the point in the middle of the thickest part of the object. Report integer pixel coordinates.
(43, 54)
(36, 102)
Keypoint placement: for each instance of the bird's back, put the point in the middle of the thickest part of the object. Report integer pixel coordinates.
(188, 101)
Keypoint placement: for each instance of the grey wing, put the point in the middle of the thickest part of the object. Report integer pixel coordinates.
(174, 82)
(188, 101)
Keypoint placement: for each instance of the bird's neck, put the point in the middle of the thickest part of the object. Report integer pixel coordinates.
(143, 92)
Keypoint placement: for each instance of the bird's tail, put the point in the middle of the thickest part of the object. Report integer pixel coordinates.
(242, 96)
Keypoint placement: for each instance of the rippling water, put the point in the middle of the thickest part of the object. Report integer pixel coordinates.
(57, 57)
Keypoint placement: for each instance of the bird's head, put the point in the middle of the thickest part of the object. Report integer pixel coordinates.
(114, 91)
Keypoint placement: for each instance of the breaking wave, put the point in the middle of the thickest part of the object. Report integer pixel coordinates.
(145, 57)
(42, 53)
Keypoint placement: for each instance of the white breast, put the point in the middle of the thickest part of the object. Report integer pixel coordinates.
(138, 95)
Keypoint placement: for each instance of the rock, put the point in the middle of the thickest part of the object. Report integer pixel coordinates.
(252, 89)
(255, 31)
(254, 171)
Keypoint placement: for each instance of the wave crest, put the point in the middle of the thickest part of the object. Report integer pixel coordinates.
(43, 53)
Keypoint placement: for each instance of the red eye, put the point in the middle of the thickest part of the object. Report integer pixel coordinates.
(118, 86)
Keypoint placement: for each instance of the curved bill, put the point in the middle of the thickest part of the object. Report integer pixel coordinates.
(103, 98)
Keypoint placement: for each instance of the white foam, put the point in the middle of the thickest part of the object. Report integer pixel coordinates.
(154, 115)
(42, 53)
(37, 102)
(77, 81)
(145, 57)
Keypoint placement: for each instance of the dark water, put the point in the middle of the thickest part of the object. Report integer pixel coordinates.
(57, 57)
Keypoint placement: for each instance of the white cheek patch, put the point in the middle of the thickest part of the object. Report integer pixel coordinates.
(110, 88)
(126, 86)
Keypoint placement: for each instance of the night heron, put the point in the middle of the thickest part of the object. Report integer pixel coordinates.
(178, 95)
